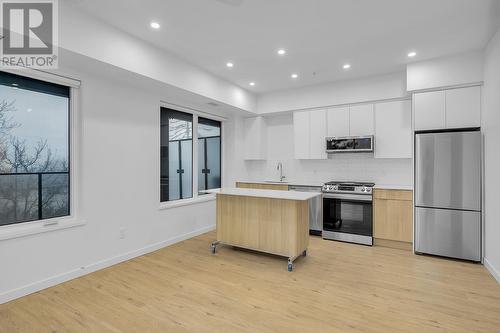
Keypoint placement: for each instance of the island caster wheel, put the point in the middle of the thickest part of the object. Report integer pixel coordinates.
(304, 253)
(290, 267)
(213, 247)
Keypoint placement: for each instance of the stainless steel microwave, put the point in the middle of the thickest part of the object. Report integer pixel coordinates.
(350, 144)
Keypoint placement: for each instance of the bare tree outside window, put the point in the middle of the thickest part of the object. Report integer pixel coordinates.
(34, 150)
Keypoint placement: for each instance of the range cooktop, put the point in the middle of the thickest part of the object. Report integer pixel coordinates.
(348, 187)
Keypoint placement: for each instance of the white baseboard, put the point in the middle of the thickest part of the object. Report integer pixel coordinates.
(60, 278)
(493, 271)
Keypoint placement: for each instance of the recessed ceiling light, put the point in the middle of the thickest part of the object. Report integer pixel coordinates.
(412, 54)
(281, 51)
(346, 66)
(229, 64)
(155, 25)
(294, 76)
(252, 84)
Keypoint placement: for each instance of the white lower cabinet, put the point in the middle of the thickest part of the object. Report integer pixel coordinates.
(309, 133)
(393, 129)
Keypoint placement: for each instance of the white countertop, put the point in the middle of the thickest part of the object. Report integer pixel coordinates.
(394, 187)
(273, 194)
(313, 183)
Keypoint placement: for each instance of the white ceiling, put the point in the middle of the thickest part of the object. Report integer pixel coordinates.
(374, 36)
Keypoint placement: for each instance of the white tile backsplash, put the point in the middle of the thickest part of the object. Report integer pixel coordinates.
(353, 167)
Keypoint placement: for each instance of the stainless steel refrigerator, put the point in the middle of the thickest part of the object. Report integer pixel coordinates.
(448, 194)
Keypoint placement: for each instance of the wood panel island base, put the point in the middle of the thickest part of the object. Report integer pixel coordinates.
(270, 221)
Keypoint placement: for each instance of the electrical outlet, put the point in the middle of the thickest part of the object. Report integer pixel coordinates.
(123, 233)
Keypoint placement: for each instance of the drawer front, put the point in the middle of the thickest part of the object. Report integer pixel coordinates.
(273, 187)
(246, 185)
(406, 195)
(263, 186)
(448, 233)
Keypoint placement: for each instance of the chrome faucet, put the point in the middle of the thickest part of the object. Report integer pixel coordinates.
(280, 168)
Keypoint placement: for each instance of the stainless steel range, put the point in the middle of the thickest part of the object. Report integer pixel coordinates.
(348, 212)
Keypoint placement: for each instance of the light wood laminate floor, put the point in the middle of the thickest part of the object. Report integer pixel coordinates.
(339, 287)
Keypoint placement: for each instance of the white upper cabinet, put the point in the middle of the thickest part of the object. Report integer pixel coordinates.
(255, 138)
(393, 129)
(452, 108)
(309, 133)
(338, 121)
(463, 107)
(430, 111)
(317, 134)
(361, 120)
(301, 137)
(355, 120)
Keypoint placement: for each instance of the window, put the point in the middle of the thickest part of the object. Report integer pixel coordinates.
(34, 149)
(209, 157)
(177, 162)
(176, 179)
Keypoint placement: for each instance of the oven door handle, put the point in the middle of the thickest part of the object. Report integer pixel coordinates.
(353, 197)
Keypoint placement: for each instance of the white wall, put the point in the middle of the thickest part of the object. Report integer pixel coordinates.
(119, 178)
(357, 167)
(445, 72)
(361, 167)
(342, 92)
(83, 34)
(491, 130)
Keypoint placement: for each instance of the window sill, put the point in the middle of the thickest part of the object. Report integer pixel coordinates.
(187, 202)
(38, 227)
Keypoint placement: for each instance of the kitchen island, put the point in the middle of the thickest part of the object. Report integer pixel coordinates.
(270, 221)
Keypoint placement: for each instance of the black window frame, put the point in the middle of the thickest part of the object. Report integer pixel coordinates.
(164, 155)
(49, 88)
(205, 171)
